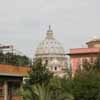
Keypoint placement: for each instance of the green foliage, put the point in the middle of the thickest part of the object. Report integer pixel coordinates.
(37, 86)
(86, 86)
(28, 92)
(36, 92)
(42, 85)
(59, 89)
(13, 59)
(52, 91)
(2, 56)
(86, 83)
(39, 73)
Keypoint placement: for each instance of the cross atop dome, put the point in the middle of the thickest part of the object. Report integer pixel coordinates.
(49, 33)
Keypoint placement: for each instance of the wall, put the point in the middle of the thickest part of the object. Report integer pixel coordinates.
(77, 60)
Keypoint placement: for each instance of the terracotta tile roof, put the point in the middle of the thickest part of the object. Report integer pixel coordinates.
(10, 70)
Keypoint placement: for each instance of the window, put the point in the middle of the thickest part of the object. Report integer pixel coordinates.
(46, 61)
(91, 60)
(56, 68)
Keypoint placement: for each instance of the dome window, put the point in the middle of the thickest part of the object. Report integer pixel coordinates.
(55, 68)
(46, 61)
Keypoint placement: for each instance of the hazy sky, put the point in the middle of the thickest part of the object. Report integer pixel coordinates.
(23, 23)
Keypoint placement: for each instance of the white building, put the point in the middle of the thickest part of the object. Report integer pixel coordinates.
(52, 52)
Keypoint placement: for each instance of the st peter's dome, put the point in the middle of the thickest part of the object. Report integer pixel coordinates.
(50, 46)
(52, 53)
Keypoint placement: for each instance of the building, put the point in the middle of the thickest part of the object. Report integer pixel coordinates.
(11, 78)
(52, 53)
(78, 55)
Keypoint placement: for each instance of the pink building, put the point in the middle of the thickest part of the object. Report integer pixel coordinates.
(77, 55)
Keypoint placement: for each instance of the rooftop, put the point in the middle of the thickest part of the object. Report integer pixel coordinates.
(9, 70)
(84, 50)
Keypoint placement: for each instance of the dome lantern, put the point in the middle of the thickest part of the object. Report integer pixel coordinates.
(49, 33)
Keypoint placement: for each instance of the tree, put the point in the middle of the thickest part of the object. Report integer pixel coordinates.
(25, 61)
(2, 58)
(86, 83)
(36, 92)
(37, 85)
(58, 89)
(42, 85)
(86, 86)
(13, 59)
(39, 73)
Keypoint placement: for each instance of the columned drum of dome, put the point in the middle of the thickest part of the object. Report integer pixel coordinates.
(51, 51)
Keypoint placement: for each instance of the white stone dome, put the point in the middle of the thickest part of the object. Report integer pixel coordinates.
(55, 62)
(50, 46)
(52, 53)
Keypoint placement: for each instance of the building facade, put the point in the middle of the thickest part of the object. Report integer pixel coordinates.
(78, 55)
(52, 53)
(11, 78)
